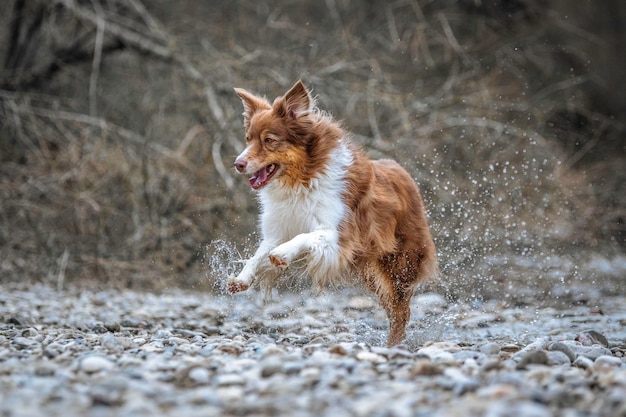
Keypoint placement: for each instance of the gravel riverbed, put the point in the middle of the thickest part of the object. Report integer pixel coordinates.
(182, 353)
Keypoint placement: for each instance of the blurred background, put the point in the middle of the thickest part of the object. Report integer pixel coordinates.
(119, 126)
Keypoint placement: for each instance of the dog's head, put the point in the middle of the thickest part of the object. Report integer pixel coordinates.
(278, 137)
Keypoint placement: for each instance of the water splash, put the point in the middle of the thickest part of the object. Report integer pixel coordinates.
(224, 260)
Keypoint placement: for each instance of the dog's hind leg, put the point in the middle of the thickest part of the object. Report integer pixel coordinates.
(393, 280)
(398, 309)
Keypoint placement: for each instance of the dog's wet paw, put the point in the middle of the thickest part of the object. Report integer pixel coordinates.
(233, 286)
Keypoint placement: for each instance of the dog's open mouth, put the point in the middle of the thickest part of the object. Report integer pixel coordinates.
(263, 176)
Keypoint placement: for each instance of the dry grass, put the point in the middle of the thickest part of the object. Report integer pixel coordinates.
(119, 170)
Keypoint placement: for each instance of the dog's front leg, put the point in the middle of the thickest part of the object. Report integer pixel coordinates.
(251, 269)
(320, 248)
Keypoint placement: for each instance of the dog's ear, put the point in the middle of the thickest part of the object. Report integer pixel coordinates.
(296, 101)
(251, 104)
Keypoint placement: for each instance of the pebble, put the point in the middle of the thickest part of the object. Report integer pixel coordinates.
(184, 353)
(95, 363)
(200, 375)
(592, 337)
(111, 343)
(491, 348)
(583, 362)
(24, 342)
(558, 358)
(591, 352)
(562, 347)
(533, 357)
(606, 362)
(271, 366)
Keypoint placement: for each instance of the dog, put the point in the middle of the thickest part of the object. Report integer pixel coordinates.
(329, 211)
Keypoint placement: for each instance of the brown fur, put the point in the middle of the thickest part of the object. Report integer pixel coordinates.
(384, 238)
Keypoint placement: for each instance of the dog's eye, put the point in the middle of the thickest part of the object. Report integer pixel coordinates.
(268, 140)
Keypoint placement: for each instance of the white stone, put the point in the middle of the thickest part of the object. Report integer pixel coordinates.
(95, 363)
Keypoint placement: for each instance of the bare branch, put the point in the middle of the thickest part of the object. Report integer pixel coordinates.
(132, 38)
(97, 58)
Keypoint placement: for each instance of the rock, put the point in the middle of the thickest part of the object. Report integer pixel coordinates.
(45, 369)
(592, 337)
(490, 348)
(520, 409)
(538, 345)
(30, 332)
(538, 357)
(558, 358)
(53, 350)
(465, 355)
(510, 348)
(162, 334)
(425, 367)
(227, 380)
(583, 362)
(497, 391)
(461, 383)
(111, 343)
(110, 393)
(271, 366)
(95, 363)
(24, 342)
(591, 352)
(562, 347)
(112, 326)
(199, 375)
(338, 350)
(435, 349)
(370, 357)
(606, 363)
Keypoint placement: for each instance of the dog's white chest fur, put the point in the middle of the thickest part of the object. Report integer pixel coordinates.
(287, 212)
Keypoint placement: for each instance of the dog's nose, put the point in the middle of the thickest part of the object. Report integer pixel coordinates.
(240, 164)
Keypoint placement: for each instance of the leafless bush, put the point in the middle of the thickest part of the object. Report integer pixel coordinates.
(119, 126)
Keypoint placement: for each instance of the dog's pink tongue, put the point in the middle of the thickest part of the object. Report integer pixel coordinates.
(258, 179)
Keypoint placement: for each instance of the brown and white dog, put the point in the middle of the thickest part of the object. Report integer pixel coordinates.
(328, 210)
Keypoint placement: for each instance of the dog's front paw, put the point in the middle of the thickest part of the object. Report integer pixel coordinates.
(234, 285)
